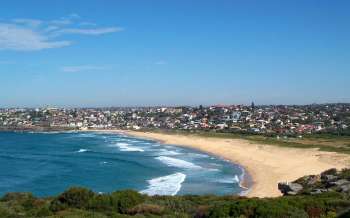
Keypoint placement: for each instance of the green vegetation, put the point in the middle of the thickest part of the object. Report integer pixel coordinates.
(81, 202)
(323, 142)
(340, 144)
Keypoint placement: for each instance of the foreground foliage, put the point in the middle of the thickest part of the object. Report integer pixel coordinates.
(320, 196)
(81, 202)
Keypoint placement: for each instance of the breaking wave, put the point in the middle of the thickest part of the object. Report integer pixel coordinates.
(126, 147)
(197, 155)
(166, 185)
(87, 135)
(82, 150)
(235, 179)
(165, 152)
(174, 162)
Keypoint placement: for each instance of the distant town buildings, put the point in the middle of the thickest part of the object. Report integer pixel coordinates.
(269, 119)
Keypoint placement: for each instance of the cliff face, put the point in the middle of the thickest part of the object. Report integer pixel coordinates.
(329, 181)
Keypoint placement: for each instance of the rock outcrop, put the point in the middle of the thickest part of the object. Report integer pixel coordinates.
(330, 180)
(290, 188)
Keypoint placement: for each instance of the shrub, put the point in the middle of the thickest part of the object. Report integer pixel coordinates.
(332, 171)
(17, 197)
(43, 212)
(101, 203)
(5, 213)
(276, 210)
(146, 209)
(73, 197)
(124, 200)
(56, 205)
(222, 210)
(202, 211)
(176, 203)
(345, 174)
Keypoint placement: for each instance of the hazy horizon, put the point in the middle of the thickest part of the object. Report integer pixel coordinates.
(174, 105)
(138, 53)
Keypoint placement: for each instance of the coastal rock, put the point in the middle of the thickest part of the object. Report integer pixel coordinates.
(329, 181)
(331, 171)
(290, 188)
(329, 178)
(340, 182)
(318, 191)
(308, 180)
(345, 188)
(311, 180)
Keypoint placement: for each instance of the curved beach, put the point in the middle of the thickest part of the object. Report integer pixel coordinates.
(267, 165)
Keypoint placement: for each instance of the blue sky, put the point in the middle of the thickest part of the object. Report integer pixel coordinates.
(183, 52)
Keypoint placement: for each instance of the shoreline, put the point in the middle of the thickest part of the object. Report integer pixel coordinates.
(246, 181)
(264, 165)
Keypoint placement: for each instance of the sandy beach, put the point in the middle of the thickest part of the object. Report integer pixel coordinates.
(267, 165)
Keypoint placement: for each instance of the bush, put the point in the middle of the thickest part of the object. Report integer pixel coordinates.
(236, 208)
(332, 171)
(56, 205)
(279, 210)
(18, 197)
(146, 209)
(101, 203)
(124, 200)
(43, 212)
(177, 203)
(80, 202)
(262, 208)
(5, 213)
(73, 197)
(202, 211)
(345, 174)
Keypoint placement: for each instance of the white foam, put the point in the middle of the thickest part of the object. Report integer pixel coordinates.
(174, 162)
(50, 132)
(166, 185)
(86, 135)
(235, 179)
(198, 155)
(122, 144)
(165, 152)
(214, 170)
(82, 150)
(126, 147)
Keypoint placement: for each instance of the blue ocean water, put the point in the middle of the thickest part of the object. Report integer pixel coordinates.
(48, 163)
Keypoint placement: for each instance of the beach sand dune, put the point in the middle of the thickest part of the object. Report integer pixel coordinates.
(267, 165)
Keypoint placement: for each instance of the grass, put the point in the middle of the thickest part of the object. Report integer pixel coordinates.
(323, 142)
(300, 143)
(339, 144)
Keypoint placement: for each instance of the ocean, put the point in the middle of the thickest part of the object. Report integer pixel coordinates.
(48, 163)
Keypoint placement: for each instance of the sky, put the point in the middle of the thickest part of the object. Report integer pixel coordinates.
(100, 53)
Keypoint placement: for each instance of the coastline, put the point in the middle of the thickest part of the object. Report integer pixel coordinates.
(264, 165)
(246, 181)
